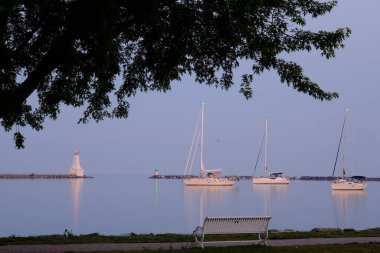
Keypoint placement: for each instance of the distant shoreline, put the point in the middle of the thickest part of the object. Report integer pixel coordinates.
(237, 178)
(40, 176)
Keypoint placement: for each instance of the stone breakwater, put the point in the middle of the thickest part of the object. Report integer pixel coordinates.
(39, 176)
(236, 178)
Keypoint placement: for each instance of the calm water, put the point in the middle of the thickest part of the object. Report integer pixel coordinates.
(121, 204)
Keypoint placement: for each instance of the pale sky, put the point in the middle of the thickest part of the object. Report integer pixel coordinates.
(303, 132)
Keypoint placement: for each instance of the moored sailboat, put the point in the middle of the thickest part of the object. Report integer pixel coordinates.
(349, 183)
(207, 177)
(346, 183)
(274, 177)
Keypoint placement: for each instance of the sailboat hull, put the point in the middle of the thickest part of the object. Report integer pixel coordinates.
(342, 184)
(208, 182)
(270, 180)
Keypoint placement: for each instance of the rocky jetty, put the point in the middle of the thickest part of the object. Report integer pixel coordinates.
(40, 176)
(316, 178)
(237, 178)
(320, 178)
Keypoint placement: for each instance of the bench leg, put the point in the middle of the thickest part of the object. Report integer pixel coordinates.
(199, 239)
(264, 240)
(199, 242)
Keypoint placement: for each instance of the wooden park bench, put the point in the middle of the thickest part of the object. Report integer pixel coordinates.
(232, 225)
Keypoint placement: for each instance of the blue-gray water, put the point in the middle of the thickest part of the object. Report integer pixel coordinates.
(121, 204)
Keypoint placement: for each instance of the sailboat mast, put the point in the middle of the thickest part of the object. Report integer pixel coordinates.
(340, 142)
(202, 114)
(344, 143)
(266, 153)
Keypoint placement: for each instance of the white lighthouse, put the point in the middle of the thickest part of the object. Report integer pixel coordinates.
(76, 169)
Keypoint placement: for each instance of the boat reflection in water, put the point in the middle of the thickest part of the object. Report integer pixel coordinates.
(156, 195)
(76, 191)
(208, 202)
(276, 189)
(269, 196)
(348, 206)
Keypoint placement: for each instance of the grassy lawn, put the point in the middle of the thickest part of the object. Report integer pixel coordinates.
(347, 248)
(96, 238)
(325, 234)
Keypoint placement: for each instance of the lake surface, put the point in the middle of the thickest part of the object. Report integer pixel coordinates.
(115, 205)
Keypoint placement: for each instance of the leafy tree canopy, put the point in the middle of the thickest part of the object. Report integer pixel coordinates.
(70, 51)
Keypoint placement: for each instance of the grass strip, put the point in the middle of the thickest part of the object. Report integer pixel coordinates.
(69, 238)
(335, 248)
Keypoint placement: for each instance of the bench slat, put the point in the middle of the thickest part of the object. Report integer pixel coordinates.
(231, 225)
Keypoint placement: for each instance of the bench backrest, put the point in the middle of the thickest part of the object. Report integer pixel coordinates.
(231, 225)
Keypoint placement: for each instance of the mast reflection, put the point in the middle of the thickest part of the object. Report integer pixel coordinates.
(270, 193)
(348, 206)
(202, 201)
(156, 194)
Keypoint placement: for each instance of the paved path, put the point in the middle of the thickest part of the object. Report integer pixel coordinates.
(178, 245)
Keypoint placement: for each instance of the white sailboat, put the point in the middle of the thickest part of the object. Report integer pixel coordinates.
(274, 177)
(346, 183)
(208, 177)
